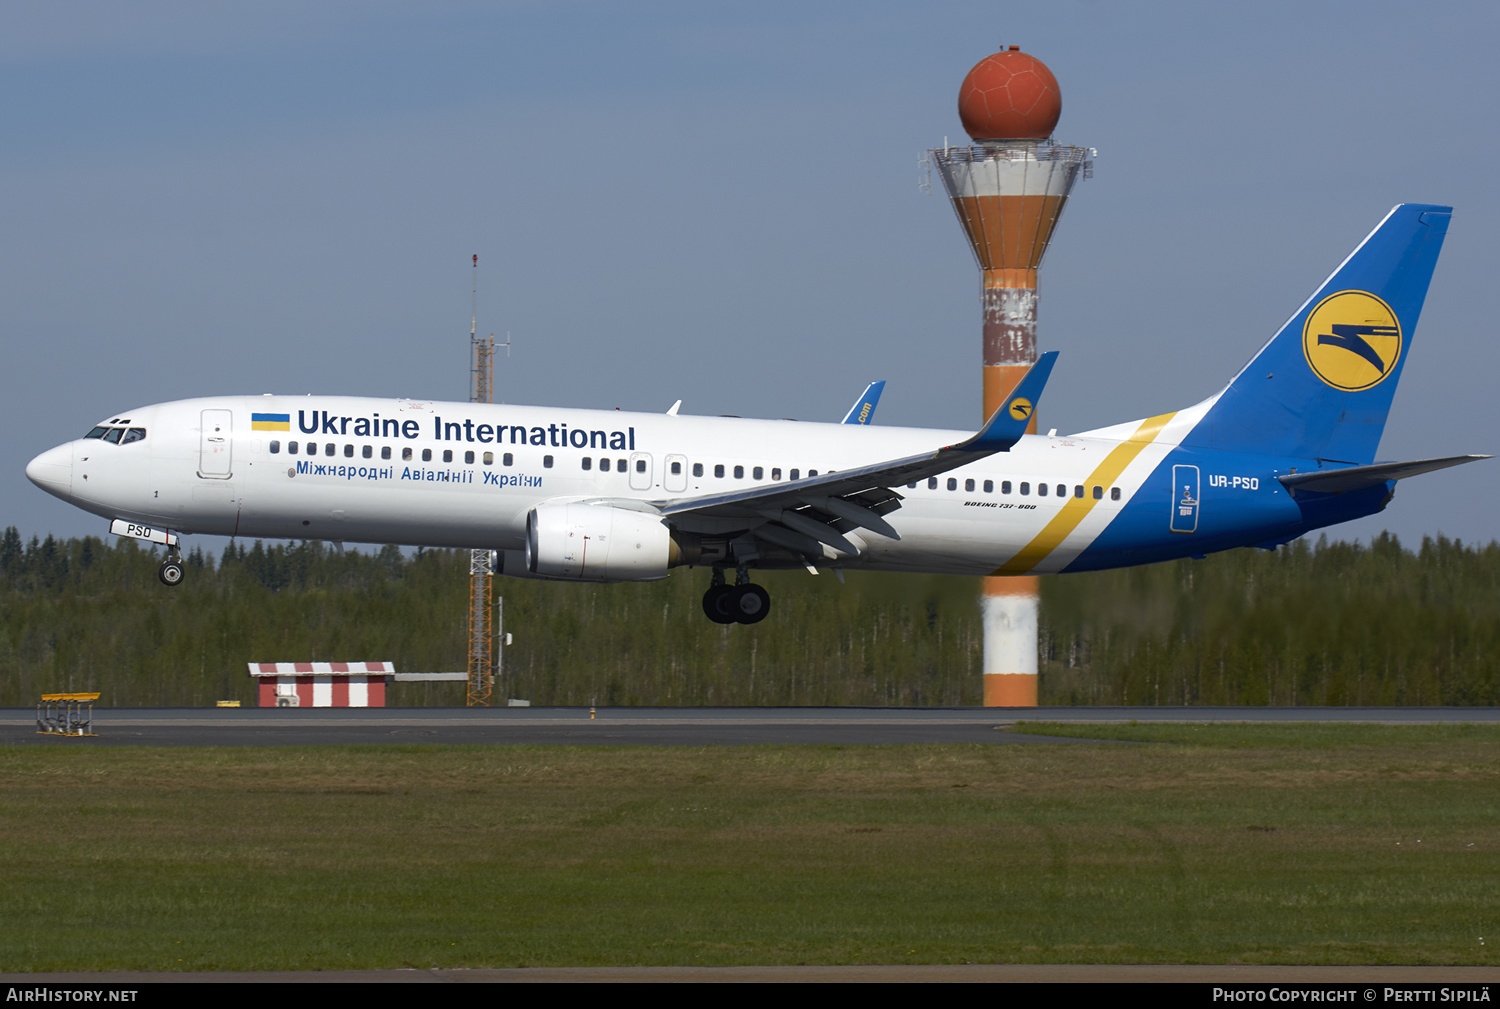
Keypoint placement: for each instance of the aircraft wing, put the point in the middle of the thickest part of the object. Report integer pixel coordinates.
(822, 506)
(1339, 481)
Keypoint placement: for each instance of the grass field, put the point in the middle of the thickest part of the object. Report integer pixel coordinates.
(1253, 844)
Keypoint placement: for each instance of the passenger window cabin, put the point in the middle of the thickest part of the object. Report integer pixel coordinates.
(128, 435)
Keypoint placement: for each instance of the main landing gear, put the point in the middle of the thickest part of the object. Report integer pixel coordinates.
(170, 571)
(738, 603)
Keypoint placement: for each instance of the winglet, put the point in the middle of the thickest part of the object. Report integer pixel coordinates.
(864, 407)
(1006, 426)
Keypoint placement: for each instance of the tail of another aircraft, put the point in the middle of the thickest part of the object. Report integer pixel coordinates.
(1322, 387)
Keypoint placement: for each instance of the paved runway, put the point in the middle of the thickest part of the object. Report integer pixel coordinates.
(651, 726)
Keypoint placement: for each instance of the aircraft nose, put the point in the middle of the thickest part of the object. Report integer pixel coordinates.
(52, 471)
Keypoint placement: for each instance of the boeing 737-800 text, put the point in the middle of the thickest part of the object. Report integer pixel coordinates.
(594, 496)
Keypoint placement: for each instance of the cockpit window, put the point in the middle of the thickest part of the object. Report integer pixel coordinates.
(118, 435)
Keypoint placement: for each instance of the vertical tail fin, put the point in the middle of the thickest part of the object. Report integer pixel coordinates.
(864, 407)
(1322, 387)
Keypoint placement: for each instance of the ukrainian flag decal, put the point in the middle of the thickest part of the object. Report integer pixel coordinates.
(270, 422)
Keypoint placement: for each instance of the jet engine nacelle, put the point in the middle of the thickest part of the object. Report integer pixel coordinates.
(596, 543)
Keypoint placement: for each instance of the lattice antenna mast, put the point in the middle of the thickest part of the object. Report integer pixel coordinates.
(481, 678)
(482, 353)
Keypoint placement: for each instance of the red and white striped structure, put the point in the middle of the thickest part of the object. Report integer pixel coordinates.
(322, 684)
(1008, 191)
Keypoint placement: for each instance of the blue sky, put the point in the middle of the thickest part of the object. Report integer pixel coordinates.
(717, 203)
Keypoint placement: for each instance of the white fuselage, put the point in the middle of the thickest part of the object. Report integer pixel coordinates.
(467, 475)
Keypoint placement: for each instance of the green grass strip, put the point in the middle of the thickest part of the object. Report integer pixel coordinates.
(1379, 847)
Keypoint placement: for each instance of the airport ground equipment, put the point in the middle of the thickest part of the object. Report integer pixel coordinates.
(66, 714)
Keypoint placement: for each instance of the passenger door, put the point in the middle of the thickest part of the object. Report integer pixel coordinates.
(215, 443)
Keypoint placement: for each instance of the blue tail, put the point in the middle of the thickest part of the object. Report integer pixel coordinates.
(864, 407)
(1321, 389)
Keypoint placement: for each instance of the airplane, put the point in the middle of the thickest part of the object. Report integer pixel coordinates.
(1286, 447)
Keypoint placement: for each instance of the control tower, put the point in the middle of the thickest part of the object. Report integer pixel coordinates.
(1008, 190)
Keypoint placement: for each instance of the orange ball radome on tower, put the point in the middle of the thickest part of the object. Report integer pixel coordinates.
(1009, 95)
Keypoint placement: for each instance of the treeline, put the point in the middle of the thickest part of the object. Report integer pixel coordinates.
(1327, 624)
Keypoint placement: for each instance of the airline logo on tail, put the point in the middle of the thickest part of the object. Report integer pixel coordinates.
(1020, 408)
(1352, 340)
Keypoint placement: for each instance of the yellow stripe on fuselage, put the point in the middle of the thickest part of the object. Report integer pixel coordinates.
(1074, 512)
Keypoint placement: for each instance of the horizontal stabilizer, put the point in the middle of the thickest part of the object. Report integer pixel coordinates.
(1340, 481)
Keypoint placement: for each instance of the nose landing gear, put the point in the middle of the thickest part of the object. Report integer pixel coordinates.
(170, 571)
(742, 602)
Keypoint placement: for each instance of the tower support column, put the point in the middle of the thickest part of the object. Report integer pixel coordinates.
(1008, 612)
(1008, 604)
(1008, 196)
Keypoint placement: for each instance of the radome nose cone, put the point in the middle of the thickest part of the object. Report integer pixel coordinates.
(52, 471)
